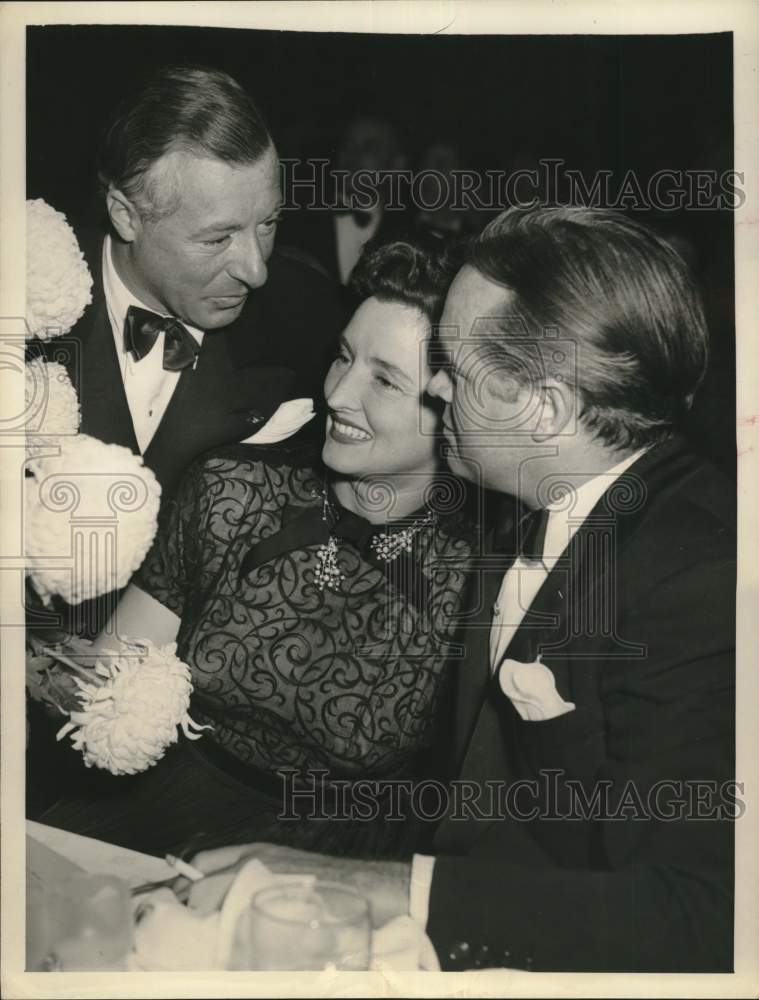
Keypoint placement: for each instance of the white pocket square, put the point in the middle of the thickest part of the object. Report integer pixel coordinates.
(531, 688)
(288, 418)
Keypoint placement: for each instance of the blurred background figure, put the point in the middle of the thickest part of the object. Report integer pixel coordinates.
(438, 211)
(357, 192)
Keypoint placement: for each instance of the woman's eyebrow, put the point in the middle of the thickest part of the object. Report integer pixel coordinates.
(393, 370)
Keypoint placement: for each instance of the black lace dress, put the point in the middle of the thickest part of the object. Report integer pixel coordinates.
(334, 684)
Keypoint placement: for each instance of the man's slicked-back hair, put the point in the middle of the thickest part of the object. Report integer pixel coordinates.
(190, 108)
(622, 295)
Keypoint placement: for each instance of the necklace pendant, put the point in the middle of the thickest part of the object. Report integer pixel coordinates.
(388, 547)
(327, 572)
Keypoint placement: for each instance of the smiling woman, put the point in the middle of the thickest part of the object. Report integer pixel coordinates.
(378, 417)
(314, 602)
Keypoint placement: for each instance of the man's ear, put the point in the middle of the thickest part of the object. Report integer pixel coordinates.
(124, 216)
(557, 410)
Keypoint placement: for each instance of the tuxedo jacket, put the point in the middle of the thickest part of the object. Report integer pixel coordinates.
(636, 623)
(279, 348)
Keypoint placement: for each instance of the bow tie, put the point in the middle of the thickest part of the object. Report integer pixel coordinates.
(141, 330)
(531, 534)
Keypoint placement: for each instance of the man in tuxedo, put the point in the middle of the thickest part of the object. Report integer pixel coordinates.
(197, 332)
(589, 827)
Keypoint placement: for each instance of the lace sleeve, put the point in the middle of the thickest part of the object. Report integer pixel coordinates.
(222, 494)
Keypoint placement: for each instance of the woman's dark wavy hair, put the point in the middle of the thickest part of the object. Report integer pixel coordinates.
(414, 271)
(623, 298)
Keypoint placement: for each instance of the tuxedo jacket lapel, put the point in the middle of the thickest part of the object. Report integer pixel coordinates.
(578, 594)
(578, 597)
(89, 355)
(485, 717)
(578, 600)
(96, 375)
(212, 404)
(485, 577)
(473, 670)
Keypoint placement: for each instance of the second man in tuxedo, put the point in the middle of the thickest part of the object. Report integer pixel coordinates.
(589, 826)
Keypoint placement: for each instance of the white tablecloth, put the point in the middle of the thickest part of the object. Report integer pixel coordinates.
(99, 858)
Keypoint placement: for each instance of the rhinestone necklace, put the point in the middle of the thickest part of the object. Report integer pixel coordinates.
(387, 546)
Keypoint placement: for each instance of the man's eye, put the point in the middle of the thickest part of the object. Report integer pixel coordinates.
(217, 242)
(271, 224)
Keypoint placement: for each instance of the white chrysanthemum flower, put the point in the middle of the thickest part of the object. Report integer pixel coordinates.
(58, 281)
(91, 516)
(131, 711)
(52, 405)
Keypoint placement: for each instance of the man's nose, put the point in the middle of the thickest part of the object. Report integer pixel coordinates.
(249, 263)
(440, 385)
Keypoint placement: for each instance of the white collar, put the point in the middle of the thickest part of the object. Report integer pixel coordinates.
(119, 298)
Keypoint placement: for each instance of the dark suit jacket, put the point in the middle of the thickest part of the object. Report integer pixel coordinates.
(637, 625)
(277, 349)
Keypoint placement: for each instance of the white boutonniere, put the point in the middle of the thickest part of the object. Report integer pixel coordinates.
(288, 418)
(531, 688)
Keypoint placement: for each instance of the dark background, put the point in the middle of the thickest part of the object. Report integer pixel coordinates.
(597, 102)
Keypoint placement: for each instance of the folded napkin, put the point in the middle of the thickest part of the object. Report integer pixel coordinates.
(171, 937)
(531, 688)
(288, 418)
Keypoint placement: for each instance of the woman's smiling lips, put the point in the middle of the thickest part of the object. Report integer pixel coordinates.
(347, 433)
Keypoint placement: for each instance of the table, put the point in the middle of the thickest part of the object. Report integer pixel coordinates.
(398, 945)
(99, 858)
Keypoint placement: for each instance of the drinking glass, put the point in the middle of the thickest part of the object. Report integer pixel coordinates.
(308, 925)
(87, 923)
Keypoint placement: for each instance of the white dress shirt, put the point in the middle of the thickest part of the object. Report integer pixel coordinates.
(519, 588)
(148, 387)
